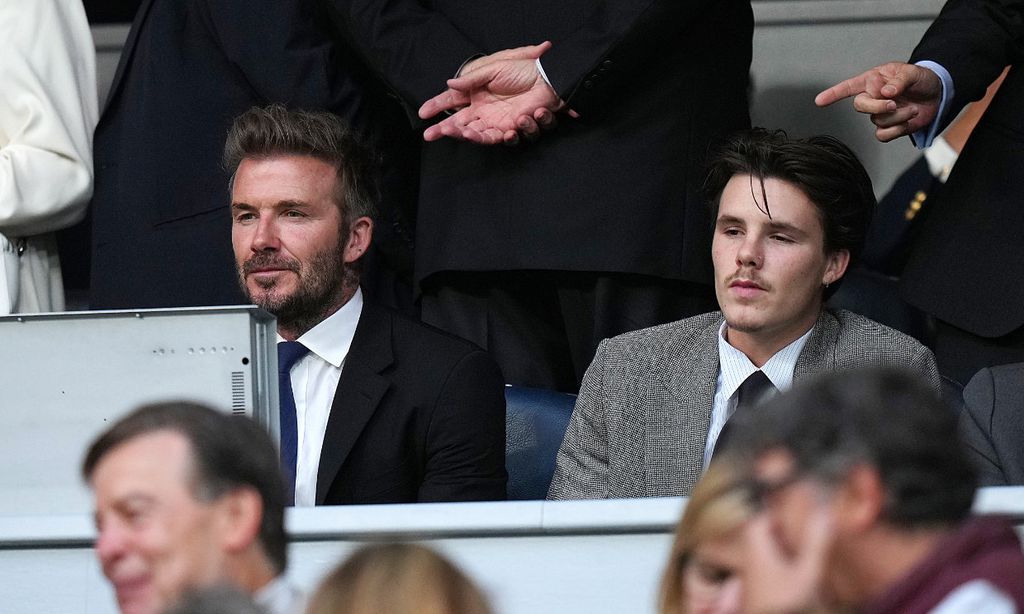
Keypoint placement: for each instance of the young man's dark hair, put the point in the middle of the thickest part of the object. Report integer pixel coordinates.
(263, 132)
(822, 167)
(228, 452)
(887, 419)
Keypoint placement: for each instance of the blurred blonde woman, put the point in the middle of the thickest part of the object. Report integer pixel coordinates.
(707, 553)
(397, 579)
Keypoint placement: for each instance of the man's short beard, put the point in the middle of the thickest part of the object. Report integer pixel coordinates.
(324, 285)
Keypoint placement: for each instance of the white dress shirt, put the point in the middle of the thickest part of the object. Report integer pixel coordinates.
(314, 381)
(734, 368)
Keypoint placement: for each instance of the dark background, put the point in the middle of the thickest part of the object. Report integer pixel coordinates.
(110, 11)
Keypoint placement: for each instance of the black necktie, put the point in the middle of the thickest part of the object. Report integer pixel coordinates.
(288, 353)
(756, 388)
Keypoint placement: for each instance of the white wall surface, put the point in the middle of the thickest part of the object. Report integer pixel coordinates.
(575, 557)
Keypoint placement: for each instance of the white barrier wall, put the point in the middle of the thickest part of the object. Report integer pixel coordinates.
(535, 557)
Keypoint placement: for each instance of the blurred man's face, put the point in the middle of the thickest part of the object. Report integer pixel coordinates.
(769, 272)
(154, 538)
(790, 498)
(289, 238)
(801, 512)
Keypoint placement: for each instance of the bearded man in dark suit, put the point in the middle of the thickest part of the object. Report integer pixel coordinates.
(375, 407)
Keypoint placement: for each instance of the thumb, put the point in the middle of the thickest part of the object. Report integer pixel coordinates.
(539, 50)
(476, 79)
(898, 83)
(527, 52)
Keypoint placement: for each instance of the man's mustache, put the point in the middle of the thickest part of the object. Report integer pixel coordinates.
(267, 260)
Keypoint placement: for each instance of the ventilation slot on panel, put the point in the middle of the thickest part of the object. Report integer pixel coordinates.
(238, 393)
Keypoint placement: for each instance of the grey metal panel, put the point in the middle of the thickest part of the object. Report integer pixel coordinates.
(64, 377)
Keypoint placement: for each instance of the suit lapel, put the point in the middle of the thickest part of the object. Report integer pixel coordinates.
(359, 393)
(128, 50)
(818, 355)
(677, 427)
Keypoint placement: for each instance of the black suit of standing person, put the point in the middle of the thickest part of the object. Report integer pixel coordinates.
(540, 250)
(385, 409)
(187, 69)
(965, 266)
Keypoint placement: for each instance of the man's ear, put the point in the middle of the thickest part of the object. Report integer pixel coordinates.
(835, 266)
(240, 515)
(861, 500)
(360, 233)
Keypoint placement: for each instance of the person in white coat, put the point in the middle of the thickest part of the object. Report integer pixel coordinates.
(48, 109)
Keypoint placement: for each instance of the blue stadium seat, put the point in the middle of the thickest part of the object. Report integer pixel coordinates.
(535, 423)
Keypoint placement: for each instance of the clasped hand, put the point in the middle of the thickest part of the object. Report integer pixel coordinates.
(495, 99)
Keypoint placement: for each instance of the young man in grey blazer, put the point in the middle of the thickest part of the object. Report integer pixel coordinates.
(790, 218)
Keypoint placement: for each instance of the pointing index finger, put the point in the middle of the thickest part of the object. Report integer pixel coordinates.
(841, 90)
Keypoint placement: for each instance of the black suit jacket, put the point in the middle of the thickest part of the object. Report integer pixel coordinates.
(992, 424)
(419, 415)
(966, 264)
(655, 83)
(161, 222)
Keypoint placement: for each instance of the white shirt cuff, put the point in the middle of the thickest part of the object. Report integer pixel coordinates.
(544, 75)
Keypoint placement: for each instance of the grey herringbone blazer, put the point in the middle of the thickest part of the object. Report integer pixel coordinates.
(642, 417)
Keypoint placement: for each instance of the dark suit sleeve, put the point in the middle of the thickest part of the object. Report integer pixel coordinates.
(283, 55)
(415, 49)
(465, 448)
(581, 469)
(974, 40)
(412, 48)
(619, 39)
(976, 428)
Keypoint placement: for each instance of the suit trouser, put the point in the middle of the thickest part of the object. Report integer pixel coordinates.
(543, 327)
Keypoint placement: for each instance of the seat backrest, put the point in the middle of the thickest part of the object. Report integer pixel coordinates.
(876, 296)
(535, 422)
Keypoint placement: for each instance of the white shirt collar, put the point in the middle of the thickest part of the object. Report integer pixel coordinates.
(941, 157)
(332, 337)
(736, 367)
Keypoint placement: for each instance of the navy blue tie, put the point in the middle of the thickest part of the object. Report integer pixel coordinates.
(288, 353)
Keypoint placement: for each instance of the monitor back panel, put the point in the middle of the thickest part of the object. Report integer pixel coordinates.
(66, 377)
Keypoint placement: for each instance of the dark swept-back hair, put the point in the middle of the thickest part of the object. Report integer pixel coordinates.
(822, 167)
(885, 418)
(263, 132)
(228, 452)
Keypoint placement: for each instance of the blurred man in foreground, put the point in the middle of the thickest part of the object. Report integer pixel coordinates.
(866, 494)
(186, 498)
